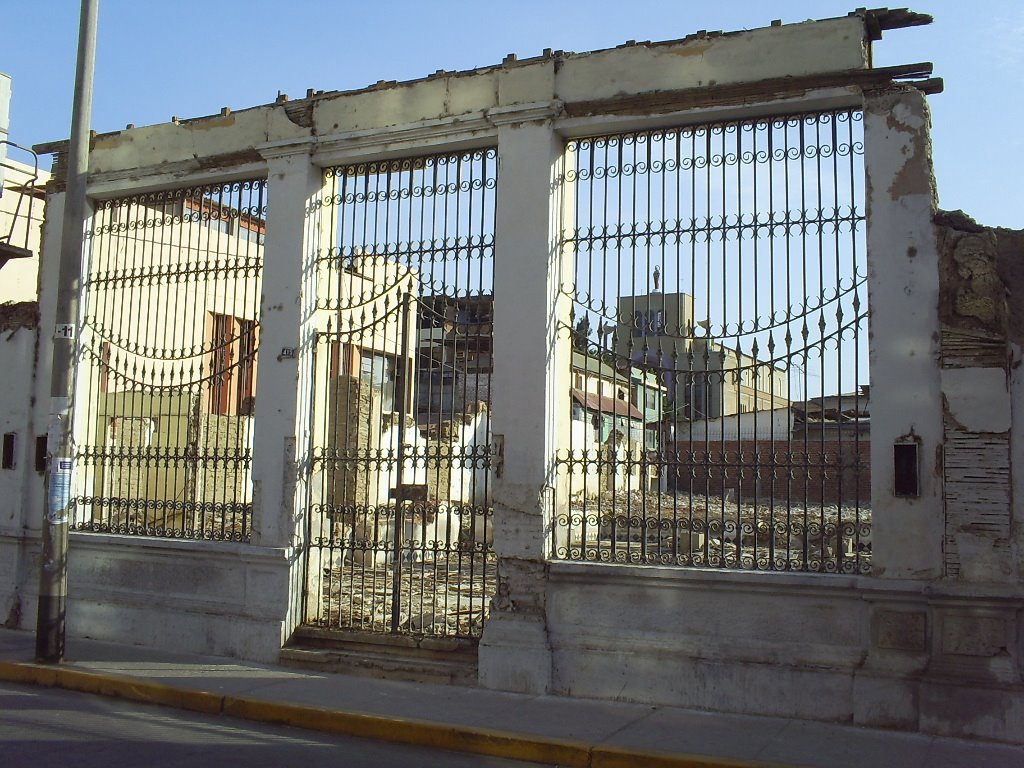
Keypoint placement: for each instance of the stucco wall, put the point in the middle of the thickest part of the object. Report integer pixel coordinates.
(21, 218)
(209, 597)
(17, 362)
(845, 649)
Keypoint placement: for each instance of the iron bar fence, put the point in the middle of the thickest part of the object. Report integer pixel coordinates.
(399, 455)
(167, 369)
(720, 391)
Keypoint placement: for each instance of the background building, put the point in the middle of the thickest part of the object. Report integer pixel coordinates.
(705, 378)
(22, 207)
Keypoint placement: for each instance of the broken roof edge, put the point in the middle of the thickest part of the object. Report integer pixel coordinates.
(878, 20)
(874, 20)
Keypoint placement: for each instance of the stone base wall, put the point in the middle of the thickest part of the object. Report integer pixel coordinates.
(831, 648)
(214, 598)
(18, 569)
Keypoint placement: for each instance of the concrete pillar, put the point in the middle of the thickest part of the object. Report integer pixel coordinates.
(530, 395)
(903, 289)
(292, 182)
(941, 380)
(49, 257)
(1017, 454)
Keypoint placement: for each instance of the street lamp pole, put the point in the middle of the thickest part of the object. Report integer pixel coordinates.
(53, 569)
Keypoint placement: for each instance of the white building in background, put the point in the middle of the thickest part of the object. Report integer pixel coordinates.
(22, 205)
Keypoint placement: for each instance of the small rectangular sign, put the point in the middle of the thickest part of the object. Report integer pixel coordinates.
(64, 331)
(410, 492)
(59, 491)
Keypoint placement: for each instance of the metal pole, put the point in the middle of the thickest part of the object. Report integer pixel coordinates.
(400, 395)
(53, 571)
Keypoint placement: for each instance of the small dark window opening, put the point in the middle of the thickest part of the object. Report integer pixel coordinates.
(41, 453)
(8, 450)
(906, 481)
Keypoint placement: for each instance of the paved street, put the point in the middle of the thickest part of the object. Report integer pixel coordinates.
(44, 726)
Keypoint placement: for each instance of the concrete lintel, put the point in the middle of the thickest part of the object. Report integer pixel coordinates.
(286, 147)
(659, 102)
(524, 113)
(789, 50)
(820, 100)
(813, 48)
(455, 134)
(108, 186)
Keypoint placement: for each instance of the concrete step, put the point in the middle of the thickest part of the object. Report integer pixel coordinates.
(393, 657)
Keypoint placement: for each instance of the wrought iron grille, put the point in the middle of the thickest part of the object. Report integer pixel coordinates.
(167, 370)
(400, 448)
(720, 399)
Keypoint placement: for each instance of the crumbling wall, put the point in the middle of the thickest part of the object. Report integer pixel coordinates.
(18, 323)
(15, 315)
(981, 317)
(349, 436)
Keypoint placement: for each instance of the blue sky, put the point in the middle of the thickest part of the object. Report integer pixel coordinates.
(190, 58)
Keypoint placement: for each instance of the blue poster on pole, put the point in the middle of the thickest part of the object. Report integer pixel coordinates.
(58, 495)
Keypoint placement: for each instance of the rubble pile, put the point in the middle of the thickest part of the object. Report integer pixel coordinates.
(448, 597)
(684, 529)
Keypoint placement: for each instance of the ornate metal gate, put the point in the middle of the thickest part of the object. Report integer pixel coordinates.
(399, 450)
(720, 396)
(167, 375)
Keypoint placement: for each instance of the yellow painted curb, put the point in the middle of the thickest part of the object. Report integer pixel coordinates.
(618, 757)
(133, 689)
(478, 741)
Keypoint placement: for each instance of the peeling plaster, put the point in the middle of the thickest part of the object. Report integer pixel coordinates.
(982, 277)
(977, 399)
(914, 177)
(693, 49)
(17, 315)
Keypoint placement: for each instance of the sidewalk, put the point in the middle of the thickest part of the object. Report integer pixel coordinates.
(545, 729)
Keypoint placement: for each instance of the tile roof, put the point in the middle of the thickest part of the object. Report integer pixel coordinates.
(593, 402)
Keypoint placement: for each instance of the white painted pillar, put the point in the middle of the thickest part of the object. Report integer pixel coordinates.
(34, 491)
(903, 288)
(530, 395)
(292, 182)
(49, 257)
